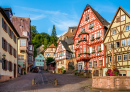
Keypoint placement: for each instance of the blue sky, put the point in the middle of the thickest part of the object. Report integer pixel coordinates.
(61, 13)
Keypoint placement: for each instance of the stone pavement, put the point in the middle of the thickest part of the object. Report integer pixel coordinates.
(45, 83)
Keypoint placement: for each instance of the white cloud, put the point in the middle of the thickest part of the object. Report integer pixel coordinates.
(37, 17)
(61, 20)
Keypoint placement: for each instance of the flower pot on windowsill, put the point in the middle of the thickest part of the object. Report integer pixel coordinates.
(92, 39)
(93, 52)
(99, 51)
(98, 38)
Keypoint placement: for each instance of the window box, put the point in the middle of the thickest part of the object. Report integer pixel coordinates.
(98, 38)
(93, 52)
(86, 19)
(99, 51)
(91, 27)
(77, 44)
(92, 39)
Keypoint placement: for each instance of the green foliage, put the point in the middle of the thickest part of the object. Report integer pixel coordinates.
(42, 38)
(61, 70)
(49, 60)
(53, 37)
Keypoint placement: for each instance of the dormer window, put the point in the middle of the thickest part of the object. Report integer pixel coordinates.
(24, 33)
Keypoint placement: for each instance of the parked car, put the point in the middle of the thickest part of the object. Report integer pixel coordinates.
(35, 70)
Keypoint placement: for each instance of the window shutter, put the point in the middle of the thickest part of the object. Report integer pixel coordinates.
(12, 51)
(12, 35)
(7, 29)
(3, 25)
(6, 45)
(7, 65)
(2, 42)
(11, 66)
(3, 65)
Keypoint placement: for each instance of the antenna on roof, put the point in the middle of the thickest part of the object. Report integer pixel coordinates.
(29, 16)
(14, 13)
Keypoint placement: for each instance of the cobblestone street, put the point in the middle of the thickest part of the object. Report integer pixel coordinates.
(45, 83)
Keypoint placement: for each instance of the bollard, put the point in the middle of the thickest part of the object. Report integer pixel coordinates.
(33, 81)
(55, 82)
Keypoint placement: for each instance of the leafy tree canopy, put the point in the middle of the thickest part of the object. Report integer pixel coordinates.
(49, 60)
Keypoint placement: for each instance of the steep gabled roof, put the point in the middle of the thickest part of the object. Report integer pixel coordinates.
(9, 22)
(100, 18)
(114, 19)
(69, 40)
(65, 45)
(51, 46)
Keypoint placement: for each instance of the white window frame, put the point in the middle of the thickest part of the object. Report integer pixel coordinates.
(84, 49)
(80, 50)
(129, 57)
(110, 44)
(93, 49)
(98, 34)
(90, 64)
(92, 36)
(123, 41)
(114, 32)
(99, 47)
(84, 36)
(22, 42)
(110, 59)
(128, 41)
(123, 57)
(95, 64)
(127, 28)
(123, 18)
(100, 63)
(118, 56)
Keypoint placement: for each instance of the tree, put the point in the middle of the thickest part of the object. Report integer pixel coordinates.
(45, 43)
(33, 32)
(53, 36)
(49, 60)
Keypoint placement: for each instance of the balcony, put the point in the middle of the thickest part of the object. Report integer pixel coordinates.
(30, 52)
(84, 56)
(84, 39)
(23, 48)
(98, 38)
(92, 39)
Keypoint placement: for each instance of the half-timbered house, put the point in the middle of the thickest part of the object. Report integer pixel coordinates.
(88, 39)
(118, 36)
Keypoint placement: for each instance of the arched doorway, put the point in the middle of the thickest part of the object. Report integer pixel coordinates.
(71, 65)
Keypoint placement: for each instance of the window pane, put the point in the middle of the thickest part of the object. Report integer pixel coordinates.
(23, 42)
(122, 18)
(123, 42)
(97, 34)
(117, 44)
(125, 57)
(128, 41)
(114, 32)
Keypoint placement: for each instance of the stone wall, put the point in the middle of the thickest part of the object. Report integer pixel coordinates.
(111, 82)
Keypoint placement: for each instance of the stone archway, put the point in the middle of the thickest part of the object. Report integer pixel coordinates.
(71, 65)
